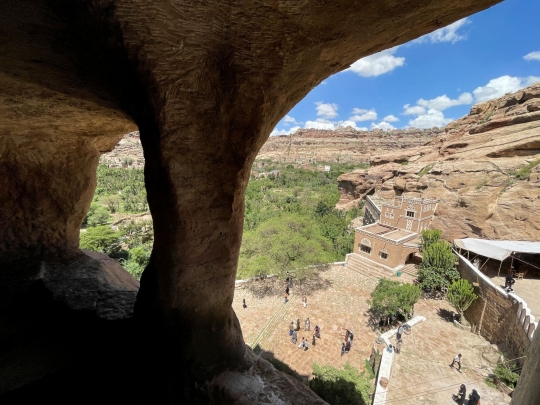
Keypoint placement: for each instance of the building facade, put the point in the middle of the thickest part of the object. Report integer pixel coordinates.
(392, 233)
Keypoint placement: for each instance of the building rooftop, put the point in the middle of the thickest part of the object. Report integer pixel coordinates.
(386, 231)
(379, 201)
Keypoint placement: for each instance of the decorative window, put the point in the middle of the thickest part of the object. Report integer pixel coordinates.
(365, 241)
(410, 214)
(365, 249)
(383, 254)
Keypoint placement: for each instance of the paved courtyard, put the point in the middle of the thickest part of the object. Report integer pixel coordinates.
(421, 373)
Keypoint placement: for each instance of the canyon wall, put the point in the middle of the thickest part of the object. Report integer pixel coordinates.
(484, 168)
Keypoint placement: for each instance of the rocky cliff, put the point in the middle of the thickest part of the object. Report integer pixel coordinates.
(484, 168)
(342, 144)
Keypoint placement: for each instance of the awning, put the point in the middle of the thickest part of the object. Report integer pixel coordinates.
(497, 249)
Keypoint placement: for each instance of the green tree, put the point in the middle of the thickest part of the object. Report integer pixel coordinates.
(340, 387)
(99, 216)
(438, 269)
(391, 298)
(112, 202)
(461, 295)
(101, 239)
(429, 237)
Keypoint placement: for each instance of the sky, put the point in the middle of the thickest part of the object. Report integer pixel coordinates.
(432, 80)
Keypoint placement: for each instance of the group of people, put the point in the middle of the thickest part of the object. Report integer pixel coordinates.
(474, 396)
(347, 344)
(294, 334)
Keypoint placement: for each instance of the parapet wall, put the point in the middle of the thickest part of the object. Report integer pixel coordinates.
(499, 317)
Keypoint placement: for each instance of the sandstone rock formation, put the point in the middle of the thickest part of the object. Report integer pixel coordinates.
(474, 168)
(345, 145)
(205, 83)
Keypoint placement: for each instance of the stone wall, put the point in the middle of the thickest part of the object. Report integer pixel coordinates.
(501, 318)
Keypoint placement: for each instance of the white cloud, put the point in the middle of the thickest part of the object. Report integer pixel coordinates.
(382, 125)
(326, 110)
(433, 118)
(390, 118)
(532, 56)
(443, 102)
(288, 120)
(320, 123)
(447, 34)
(377, 64)
(284, 131)
(363, 115)
(501, 85)
(349, 123)
(413, 110)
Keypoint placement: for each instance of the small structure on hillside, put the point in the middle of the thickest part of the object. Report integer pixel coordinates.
(391, 233)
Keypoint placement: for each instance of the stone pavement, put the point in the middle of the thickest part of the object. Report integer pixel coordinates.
(421, 373)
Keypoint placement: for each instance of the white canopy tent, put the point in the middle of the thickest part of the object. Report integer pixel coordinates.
(497, 249)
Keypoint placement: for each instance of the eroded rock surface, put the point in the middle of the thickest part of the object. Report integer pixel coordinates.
(474, 168)
(205, 83)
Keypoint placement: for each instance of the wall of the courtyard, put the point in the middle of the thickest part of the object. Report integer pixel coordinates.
(499, 317)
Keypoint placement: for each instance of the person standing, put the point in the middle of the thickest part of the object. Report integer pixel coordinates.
(342, 349)
(287, 290)
(400, 331)
(317, 331)
(286, 298)
(298, 324)
(307, 324)
(294, 337)
(313, 340)
(457, 360)
(398, 346)
(244, 303)
(291, 328)
(301, 345)
(304, 301)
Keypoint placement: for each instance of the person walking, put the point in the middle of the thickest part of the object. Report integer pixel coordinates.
(287, 290)
(291, 328)
(457, 360)
(244, 303)
(286, 298)
(307, 324)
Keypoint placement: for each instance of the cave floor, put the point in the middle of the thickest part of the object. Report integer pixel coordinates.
(338, 300)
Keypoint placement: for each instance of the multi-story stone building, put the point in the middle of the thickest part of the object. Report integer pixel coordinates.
(391, 233)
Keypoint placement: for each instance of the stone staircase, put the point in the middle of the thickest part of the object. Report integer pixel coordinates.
(268, 329)
(369, 268)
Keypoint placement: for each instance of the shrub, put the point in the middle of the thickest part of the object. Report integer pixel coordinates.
(461, 295)
(438, 269)
(340, 387)
(506, 375)
(429, 237)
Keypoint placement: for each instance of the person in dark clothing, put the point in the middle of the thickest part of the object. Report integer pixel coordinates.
(460, 397)
(313, 340)
(287, 290)
(343, 349)
(244, 303)
(474, 398)
(509, 282)
(317, 331)
(399, 331)
(298, 324)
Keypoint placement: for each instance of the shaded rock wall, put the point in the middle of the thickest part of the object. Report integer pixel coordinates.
(205, 83)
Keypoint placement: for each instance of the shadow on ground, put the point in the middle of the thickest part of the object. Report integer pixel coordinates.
(279, 365)
(446, 315)
(274, 286)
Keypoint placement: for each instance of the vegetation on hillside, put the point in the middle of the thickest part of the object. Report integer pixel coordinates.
(461, 295)
(290, 222)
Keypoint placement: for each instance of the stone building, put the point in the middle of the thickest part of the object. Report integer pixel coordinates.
(391, 234)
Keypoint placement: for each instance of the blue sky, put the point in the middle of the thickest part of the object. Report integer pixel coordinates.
(432, 80)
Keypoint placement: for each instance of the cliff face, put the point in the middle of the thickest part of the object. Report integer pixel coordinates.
(342, 145)
(484, 168)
